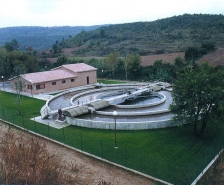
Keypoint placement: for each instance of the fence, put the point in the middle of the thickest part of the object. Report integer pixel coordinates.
(173, 154)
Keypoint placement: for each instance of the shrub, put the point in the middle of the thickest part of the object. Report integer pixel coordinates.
(27, 161)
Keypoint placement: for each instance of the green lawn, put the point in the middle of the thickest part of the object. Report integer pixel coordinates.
(173, 154)
(110, 81)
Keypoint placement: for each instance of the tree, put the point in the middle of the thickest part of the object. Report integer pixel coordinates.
(17, 62)
(210, 46)
(19, 69)
(126, 63)
(30, 63)
(15, 44)
(19, 84)
(198, 96)
(158, 69)
(163, 71)
(179, 63)
(56, 48)
(134, 66)
(31, 51)
(102, 33)
(99, 64)
(111, 61)
(61, 60)
(45, 64)
(191, 54)
(3, 71)
(8, 46)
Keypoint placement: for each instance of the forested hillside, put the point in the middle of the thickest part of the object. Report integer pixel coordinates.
(39, 37)
(173, 34)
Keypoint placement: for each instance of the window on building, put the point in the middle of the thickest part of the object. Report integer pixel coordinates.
(72, 80)
(63, 81)
(29, 87)
(87, 79)
(53, 83)
(40, 86)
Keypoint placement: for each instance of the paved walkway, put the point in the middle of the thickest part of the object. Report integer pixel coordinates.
(51, 122)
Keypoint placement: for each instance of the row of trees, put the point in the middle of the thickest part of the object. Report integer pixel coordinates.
(129, 67)
(113, 66)
(17, 62)
(14, 62)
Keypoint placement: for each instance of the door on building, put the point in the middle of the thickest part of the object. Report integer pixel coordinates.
(87, 79)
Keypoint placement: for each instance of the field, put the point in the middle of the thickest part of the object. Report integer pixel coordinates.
(168, 57)
(173, 154)
(145, 60)
(216, 58)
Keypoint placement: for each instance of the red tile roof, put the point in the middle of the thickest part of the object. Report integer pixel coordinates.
(48, 76)
(79, 67)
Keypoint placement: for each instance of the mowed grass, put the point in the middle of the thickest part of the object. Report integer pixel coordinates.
(110, 81)
(172, 154)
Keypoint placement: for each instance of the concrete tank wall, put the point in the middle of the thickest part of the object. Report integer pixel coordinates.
(121, 125)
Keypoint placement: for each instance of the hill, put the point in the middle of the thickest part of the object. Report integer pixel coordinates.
(40, 38)
(167, 35)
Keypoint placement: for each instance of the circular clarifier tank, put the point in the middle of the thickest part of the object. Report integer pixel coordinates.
(133, 105)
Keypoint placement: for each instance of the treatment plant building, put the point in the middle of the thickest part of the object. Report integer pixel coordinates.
(60, 78)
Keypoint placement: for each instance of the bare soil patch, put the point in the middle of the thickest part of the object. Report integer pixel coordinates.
(215, 58)
(68, 51)
(168, 57)
(92, 171)
(53, 60)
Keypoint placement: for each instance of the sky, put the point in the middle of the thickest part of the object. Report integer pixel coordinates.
(98, 12)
